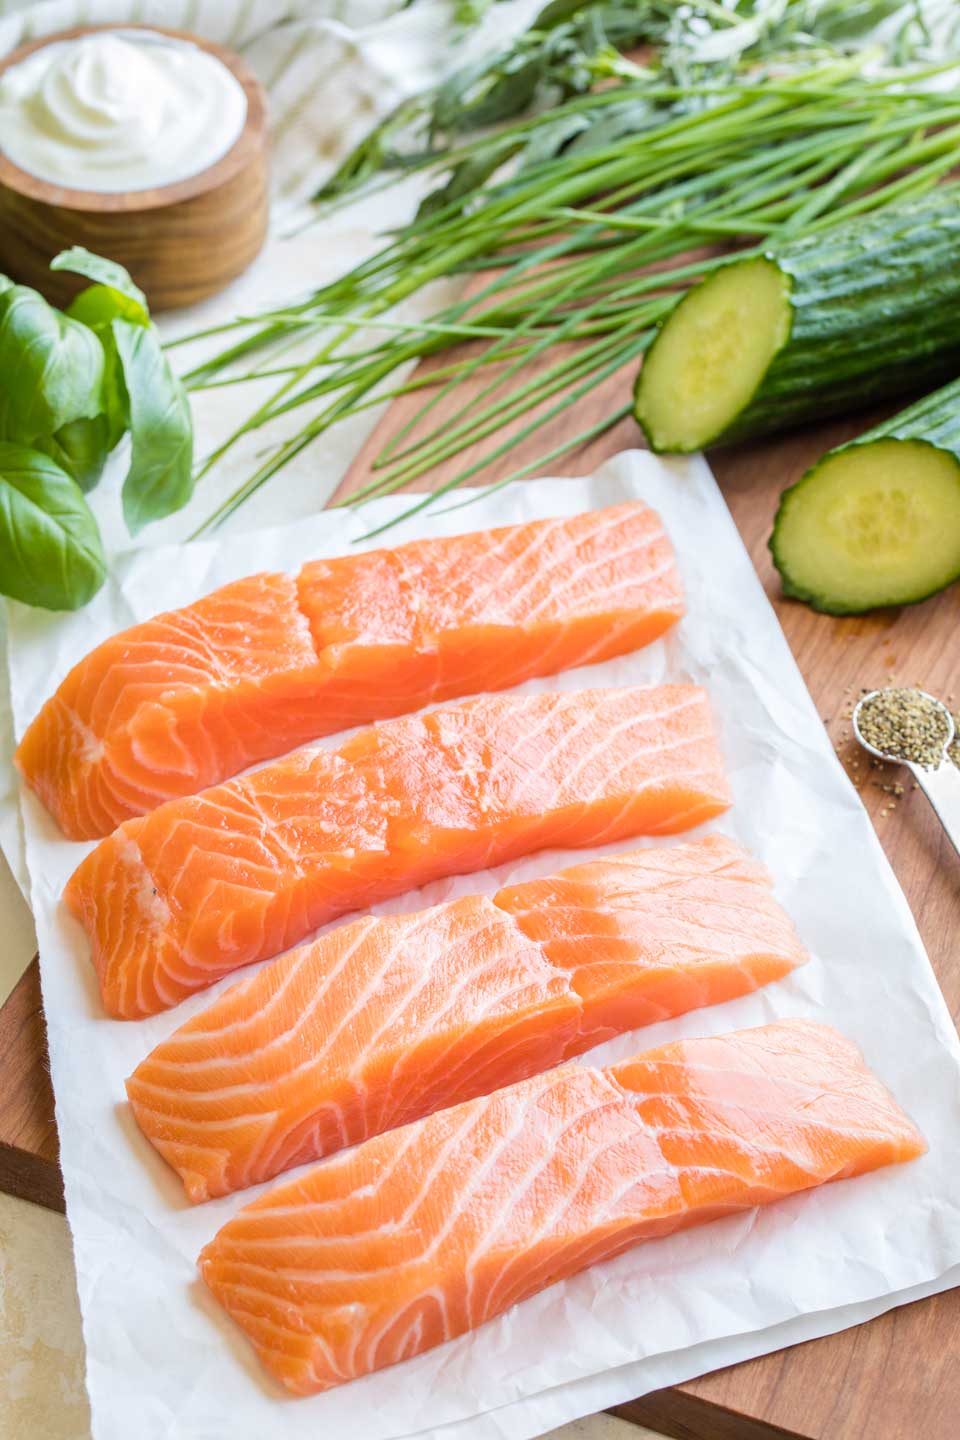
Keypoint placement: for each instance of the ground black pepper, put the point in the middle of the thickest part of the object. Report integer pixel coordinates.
(953, 749)
(906, 724)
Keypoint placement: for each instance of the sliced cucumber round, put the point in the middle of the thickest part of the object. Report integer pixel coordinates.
(706, 364)
(873, 523)
(817, 326)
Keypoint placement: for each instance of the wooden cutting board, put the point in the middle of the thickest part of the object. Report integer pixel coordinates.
(893, 1379)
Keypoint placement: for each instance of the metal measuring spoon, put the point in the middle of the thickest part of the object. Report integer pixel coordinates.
(941, 785)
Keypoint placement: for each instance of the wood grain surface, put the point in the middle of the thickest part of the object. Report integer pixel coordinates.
(896, 1378)
(180, 242)
(28, 1133)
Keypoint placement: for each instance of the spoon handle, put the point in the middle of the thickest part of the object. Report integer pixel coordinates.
(942, 789)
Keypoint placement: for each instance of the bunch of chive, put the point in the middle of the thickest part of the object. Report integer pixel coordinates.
(582, 255)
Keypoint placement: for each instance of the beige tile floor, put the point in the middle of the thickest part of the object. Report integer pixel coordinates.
(42, 1395)
(16, 924)
(41, 1348)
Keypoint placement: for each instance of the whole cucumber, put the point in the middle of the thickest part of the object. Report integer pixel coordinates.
(813, 327)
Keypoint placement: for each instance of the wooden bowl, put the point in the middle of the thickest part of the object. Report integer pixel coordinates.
(180, 242)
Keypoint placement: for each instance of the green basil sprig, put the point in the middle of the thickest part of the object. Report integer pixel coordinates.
(160, 478)
(78, 382)
(52, 368)
(105, 274)
(145, 396)
(81, 448)
(50, 548)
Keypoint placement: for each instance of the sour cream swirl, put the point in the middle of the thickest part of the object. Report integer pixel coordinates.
(119, 110)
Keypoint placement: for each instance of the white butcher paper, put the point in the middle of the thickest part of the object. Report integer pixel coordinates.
(331, 69)
(165, 1363)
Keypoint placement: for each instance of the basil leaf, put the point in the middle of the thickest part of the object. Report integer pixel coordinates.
(105, 273)
(160, 479)
(81, 448)
(113, 296)
(52, 367)
(50, 548)
(5, 284)
(116, 402)
(98, 305)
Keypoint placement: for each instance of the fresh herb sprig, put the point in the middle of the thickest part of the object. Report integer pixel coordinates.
(75, 383)
(560, 255)
(572, 46)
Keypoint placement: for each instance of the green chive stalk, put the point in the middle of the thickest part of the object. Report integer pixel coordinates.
(556, 260)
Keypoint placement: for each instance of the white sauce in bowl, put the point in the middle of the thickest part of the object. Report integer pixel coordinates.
(119, 110)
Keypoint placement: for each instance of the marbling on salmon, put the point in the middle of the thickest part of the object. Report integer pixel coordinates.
(205, 884)
(270, 662)
(426, 1232)
(383, 1021)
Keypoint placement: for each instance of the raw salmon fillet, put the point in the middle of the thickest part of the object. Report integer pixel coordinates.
(264, 665)
(203, 885)
(384, 1021)
(424, 1233)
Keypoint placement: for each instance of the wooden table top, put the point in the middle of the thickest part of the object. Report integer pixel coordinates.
(895, 1378)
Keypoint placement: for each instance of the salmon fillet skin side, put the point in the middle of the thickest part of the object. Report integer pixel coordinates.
(268, 663)
(176, 899)
(383, 1021)
(424, 1233)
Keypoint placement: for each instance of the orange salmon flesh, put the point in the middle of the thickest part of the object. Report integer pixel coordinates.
(424, 1233)
(383, 1021)
(176, 899)
(185, 700)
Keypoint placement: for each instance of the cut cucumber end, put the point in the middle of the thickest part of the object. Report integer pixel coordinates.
(871, 524)
(711, 355)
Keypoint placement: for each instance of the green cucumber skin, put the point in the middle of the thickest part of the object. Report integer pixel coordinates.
(933, 421)
(874, 314)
